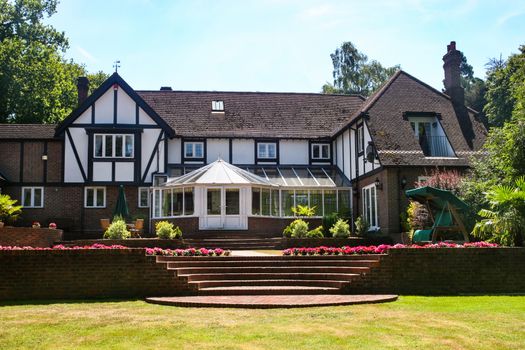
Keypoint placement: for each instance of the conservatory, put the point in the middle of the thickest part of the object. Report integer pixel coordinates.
(224, 196)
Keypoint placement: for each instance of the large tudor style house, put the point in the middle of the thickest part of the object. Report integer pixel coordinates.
(238, 160)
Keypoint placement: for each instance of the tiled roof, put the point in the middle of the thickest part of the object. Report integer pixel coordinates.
(252, 114)
(391, 133)
(27, 131)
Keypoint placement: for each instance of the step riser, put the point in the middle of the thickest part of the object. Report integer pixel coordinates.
(269, 276)
(270, 292)
(268, 283)
(268, 270)
(204, 264)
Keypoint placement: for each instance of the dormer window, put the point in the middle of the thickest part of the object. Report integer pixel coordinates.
(431, 136)
(320, 151)
(217, 106)
(267, 151)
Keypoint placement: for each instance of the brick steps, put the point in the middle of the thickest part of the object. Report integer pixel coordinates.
(241, 243)
(269, 275)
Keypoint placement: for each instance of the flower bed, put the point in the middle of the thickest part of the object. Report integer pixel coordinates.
(187, 252)
(62, 247)
(380, 249)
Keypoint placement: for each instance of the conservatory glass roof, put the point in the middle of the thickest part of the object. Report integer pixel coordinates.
(221, 172)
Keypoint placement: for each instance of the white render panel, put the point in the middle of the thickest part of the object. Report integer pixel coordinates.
(72, 172)
(149, 139)
(174, 151)
(293, 152)
(144, 118)
(346, 146)
(124, 171)
(80, 138)
(84, 118)
(104, 108)
(159, 166)
(217, 148)
(125, 108)
(353, 154)
(102, 171)
(243, 151)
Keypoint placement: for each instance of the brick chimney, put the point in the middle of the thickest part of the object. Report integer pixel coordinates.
(82, 89)
(452, 80)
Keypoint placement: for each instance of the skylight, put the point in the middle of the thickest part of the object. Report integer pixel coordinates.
(217, 106)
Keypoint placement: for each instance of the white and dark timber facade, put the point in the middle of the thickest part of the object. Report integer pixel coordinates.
(238, 160)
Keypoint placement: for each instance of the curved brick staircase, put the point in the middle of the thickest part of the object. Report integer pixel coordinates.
(232, 240)
(269, 275)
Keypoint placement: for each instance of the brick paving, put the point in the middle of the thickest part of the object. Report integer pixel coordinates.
(270, 301)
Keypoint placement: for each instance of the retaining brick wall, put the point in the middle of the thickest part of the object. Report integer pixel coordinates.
(26, 236)
(446, 271)
(130, 242)
(80, 274)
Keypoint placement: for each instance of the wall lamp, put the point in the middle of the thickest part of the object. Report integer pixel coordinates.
(379, 184)
(403, 182)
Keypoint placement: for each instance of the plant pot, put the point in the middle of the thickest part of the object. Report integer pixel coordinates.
(36, 226)
(1, 224)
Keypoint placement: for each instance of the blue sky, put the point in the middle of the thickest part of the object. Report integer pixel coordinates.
(280, 45)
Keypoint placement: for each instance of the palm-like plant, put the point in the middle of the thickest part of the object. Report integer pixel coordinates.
(504, 222)
(9, 211)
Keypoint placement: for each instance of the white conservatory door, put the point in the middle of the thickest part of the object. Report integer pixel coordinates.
(223, 209)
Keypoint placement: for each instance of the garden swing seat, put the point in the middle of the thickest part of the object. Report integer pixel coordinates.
(443, 222)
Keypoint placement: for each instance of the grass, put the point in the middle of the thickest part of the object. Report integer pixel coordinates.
(485, 322)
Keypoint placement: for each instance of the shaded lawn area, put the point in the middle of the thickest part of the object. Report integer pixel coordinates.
(485, 322)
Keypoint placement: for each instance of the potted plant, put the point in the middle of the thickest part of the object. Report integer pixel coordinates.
(36, 224)
(9, 211)
(52, 225)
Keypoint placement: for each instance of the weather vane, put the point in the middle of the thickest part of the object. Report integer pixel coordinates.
(116, 65)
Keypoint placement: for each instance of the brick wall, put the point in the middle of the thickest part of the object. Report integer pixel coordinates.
(80, 274)
(446, 271)
(130, 242)
(26, 236)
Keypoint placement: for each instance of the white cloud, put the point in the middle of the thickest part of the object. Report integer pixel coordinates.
(506, 17)
(84, 53)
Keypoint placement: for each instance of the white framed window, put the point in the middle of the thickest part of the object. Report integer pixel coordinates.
(113, 145)
(33, 197)
(143, 197)
(370, 205)
(266, 150)
(217, 106)
(94, 197)
(360, 138)
(320, 151)
(193, 149)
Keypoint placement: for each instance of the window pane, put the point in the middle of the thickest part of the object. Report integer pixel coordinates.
(214, 201)
(166, 202)
(275, 203)
(177, 202)
(27, 197)
(37, 197)
(301, 198)
(100, 197)
(271, 150)
(118, 145)
(109, 146)
(199, 152)
(344, 203)
(129, 146)
(373, 221)
(90, 197)
(143, 197)
(261, 150)
(330, 202)
(287, 202)
(156, 204)
(316, 201)
(266, 201)
(188, 150)
(256, 201)
(232, 201)
(188, 201)
(98, 145)
(315, 153)
(325, 151)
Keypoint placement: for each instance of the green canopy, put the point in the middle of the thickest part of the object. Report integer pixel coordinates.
(121, 209)
(436, 198)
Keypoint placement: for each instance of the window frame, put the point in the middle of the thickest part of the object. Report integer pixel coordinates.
(96, 189)
(266, 144)
(113, 146)
(321, 145)
(360, 139)
(366, 198)
(193, 149)
(33, 188)
(140, 195)
(217, 105)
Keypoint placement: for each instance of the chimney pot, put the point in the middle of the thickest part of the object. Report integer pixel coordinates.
(82, 89)
(166, 88)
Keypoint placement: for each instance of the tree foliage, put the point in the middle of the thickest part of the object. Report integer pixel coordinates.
(353, 73)
(37, 85)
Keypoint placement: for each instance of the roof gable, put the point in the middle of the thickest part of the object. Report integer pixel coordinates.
(100, 91)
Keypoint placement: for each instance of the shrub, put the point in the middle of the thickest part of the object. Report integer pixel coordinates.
(328, 222)
(9, 211)
(304, 210)
(361, 226)
(341, 229)
(117, 230)
(297, 229)
(165, 230)
(315, 233)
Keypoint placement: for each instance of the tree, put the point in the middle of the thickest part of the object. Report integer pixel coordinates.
(354, 74)
(37, 85)
(505, 88)
(504, 222)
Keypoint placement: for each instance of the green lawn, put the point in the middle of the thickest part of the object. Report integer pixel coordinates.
(410, 323)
